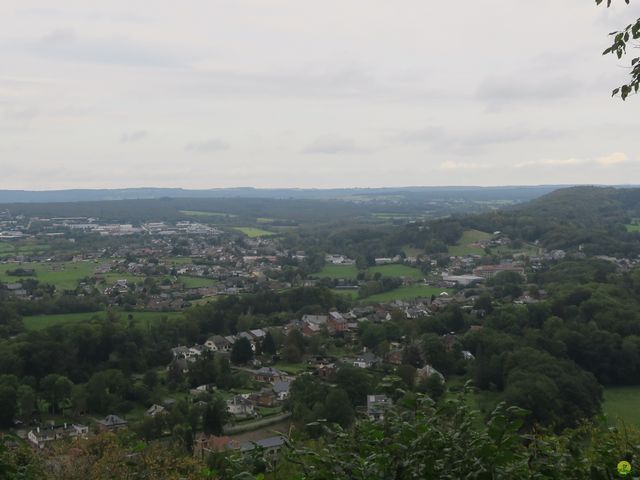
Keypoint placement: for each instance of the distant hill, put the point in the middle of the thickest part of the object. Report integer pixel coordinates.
(596, 218)
(510, 193)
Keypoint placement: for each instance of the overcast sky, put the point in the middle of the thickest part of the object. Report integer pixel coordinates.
(298, 93)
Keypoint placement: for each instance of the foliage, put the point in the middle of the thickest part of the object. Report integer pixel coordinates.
(621, 41)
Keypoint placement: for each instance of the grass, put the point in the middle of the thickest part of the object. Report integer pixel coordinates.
(252, 232)
(352, 292)
(397, 271)
(337, 271)
(621, 404)
(265, 220)
(407, 292)
(196, 282)
(200, 213)
(64, 275)
(465, 245)
(291, 368)
(634, 226)
(40, 322)
(412, 251)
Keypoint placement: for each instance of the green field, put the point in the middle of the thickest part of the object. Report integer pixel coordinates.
(111, 278)
(397, 270)
(252, 232)
(634, 226)
(412, 251)
(337, 271)
(40, 322)
(406, 293)
(199, 213)
(352, 293)
(621, 404)
(465, 244)
(196, 282)
(65, 275)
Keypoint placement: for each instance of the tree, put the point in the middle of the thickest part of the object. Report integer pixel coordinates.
(214, 417)
(338, 409)
(356, 382)
(26, 397)
(621, 40)
(55, 389)
(268, 344)
(241, 352)
(8, 405)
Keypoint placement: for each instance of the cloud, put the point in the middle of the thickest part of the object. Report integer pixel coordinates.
(612, 159)
(473, 142)
(134, 136)
(332, 145)
(65, 44)
(453, 165)
(207, 146)
(59, 35)
(501, 91)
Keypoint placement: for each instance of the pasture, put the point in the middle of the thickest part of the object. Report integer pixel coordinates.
(40, 322)
(64, 275)
(621, 404)
(196, 282)
(199, 213)
(634, 226)
(397, 270)
(337, 271)
(467, 243)
(407, 292)
(252, 232)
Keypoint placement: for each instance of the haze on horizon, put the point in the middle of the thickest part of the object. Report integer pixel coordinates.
(312, 94)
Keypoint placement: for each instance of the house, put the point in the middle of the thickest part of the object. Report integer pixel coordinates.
(112, 423)
(426, 371)
(41, 436)
(366, 360)
(326, 370)
(154, 410)
(206, 444)
(376, 406)
(281, 389)
(336, 323)
(181, 352)
(395, 357)
(310, 329)
(467, 355)
(258, 335)
(218, 343)
(264, 398)
(269, 445)
(239, 405)
(269, 374)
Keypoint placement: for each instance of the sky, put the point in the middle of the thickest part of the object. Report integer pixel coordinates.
(313, 94)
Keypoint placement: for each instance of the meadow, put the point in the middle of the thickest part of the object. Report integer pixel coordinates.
(634, 226)
(397, 270)
(40, 322)
(465, 244)
(407, 292)
(64, 275)
(252, 232)
(622, 404)
(196, 282)
(199, 213)
(337, 271)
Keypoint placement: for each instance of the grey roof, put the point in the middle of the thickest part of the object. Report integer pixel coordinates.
(281, 386)
(112, 421)
(271, 442)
